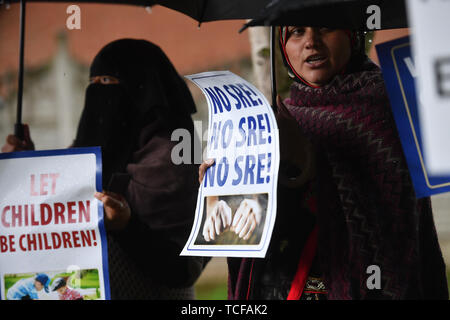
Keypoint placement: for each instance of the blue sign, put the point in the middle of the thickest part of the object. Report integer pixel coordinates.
(397, 64)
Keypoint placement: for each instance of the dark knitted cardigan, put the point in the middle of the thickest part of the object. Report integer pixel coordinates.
(367, 210)
(144, 258)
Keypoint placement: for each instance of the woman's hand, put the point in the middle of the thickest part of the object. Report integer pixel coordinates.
(202, 169)
(13, 143)
(219, 218)
(116, 209)
(247, 217)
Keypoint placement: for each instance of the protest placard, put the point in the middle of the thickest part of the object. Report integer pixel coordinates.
(431, 50)
(399, 73)
(51, 226)
(236, 205)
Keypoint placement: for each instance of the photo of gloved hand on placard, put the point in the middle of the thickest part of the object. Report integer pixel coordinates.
(233, 219)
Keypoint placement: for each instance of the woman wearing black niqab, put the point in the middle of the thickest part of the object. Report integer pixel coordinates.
(139, 91)
(133, 103)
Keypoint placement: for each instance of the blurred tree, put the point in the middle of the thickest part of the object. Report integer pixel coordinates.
(260, 53)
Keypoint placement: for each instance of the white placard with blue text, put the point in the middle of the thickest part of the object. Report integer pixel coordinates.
(243, 140)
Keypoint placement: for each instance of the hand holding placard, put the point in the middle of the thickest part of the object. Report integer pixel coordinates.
(116, 208)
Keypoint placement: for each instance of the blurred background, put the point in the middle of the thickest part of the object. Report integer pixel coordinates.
(57, 69)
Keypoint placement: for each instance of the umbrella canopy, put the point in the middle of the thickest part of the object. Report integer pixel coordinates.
(132, 2)
(340, 14)
(200, 10)
(212, 10)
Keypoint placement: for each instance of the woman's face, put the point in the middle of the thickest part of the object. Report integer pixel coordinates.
(317, 54)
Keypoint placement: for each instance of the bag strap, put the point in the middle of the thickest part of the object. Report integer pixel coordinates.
(304, 266)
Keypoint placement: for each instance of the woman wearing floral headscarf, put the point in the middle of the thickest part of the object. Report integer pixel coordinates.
(348, 224)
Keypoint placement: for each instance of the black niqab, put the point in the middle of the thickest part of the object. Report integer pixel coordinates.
(150, 90)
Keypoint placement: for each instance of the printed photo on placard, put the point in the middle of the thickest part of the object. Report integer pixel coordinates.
(233, 219)
(53, 285)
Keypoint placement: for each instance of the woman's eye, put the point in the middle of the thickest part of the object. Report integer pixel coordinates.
(106, 80)
(298, 31)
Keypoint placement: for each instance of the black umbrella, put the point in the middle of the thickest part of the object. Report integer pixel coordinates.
(339, 14)
(200, 10)
(213, 10)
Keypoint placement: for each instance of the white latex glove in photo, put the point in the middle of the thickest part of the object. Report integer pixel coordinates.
(219, 219)
(247, 218)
